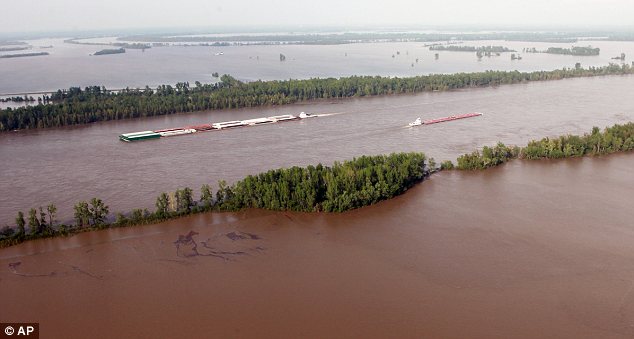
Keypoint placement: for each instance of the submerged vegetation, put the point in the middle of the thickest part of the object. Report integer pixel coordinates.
(344, 186)
(618, 138)
(91, 104)
(489, 157)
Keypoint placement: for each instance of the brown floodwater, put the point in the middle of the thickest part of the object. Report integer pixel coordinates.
(529, 249)
(66, 165)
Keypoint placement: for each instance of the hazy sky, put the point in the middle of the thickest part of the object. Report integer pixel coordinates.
(47, 15)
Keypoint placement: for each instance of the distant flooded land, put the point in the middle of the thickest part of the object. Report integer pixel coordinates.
(347, 37)
(21, 55)
(154, 59)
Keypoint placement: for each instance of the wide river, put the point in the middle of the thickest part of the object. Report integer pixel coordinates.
(67, 165)
(539, 249)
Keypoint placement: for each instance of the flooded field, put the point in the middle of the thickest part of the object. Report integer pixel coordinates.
(72, 65)
(530, 249)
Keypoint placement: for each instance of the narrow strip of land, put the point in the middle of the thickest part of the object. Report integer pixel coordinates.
(77, 106)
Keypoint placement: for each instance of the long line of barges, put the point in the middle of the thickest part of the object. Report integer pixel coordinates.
(145, 135)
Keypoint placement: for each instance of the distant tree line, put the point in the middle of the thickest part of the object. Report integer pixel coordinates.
(21, 55)
(348, 38)
(14, 48)
(577, 51)
(135, 45)
(24, 98)
(344, 186)
(91, 104)
(482, 49)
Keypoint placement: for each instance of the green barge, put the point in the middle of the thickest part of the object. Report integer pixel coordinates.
(136, 136)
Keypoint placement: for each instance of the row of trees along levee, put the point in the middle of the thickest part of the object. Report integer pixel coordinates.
(91, 104)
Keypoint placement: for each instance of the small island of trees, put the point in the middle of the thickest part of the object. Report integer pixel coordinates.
(110, 51)
(577, 51)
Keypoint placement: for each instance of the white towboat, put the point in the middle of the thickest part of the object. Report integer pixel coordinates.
(304, 115)
(416, 122)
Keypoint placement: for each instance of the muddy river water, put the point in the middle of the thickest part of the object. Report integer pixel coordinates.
(525, 250)
(530, 249)
(64, 166)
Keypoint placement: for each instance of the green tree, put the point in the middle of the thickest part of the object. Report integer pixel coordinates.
(162, 205)
(20, 223)
(98, 212)
(44, 227)
(206, 197)
(34, 222)
(221, 193)
(120, 219)
(6, 232)
(82, 214)
(184, 200)
(446, 165)
(51, 209)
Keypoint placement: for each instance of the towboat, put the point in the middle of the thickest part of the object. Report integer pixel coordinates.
(416, 122)
(304, 115)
